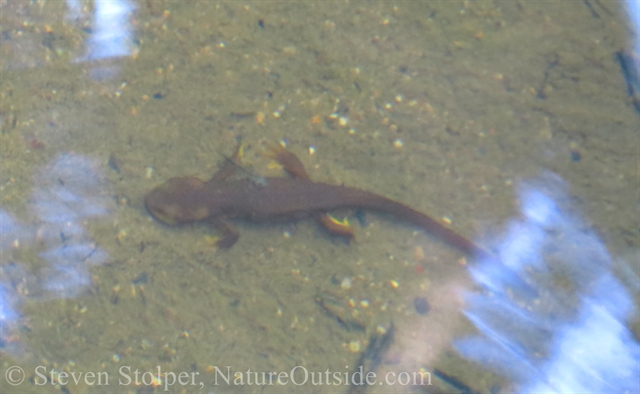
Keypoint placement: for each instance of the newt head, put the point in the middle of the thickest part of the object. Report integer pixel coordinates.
(172, 202)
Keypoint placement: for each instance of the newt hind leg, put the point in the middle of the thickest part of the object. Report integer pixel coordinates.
(295, 168)
(334, 226)
(229, 234)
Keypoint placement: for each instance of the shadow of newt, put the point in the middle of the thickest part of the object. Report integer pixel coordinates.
(186, 199)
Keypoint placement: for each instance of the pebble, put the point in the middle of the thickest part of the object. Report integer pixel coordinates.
(422, 305)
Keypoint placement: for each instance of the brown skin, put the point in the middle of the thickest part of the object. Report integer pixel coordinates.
(185, 200)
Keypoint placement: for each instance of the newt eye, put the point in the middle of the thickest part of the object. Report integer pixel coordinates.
(163, 214)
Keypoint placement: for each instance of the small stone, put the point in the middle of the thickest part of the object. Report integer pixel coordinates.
(422, 305)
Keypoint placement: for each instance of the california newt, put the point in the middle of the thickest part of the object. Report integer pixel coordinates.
(187, 199)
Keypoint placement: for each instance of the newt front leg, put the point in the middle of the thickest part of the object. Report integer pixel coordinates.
(230, 234)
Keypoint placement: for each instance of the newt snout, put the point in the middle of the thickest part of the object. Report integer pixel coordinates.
(170, 202)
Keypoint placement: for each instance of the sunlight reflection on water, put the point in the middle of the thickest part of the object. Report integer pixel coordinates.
(67, 192)
(111, 34)
(569, 334)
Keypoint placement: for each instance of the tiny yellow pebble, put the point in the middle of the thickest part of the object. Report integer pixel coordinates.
(394, 284)
(211, 241)
(354, 346)
(289, 50)
(157, 381)
(398, 144)
(418, 254)
(446, 220)
(260, 117)
(278, 113)
(122, 234)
